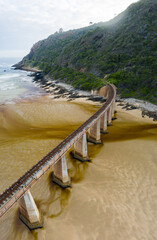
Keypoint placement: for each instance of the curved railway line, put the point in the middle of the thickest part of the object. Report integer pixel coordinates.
(10, 196)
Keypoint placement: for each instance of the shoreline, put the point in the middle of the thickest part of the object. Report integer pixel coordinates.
(64, 92)
(147, 109)
(28, 69)
(57, 91)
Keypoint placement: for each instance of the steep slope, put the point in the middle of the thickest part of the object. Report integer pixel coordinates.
(122, 51)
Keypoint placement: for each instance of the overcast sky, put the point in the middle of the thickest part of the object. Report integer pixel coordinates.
(24, 22)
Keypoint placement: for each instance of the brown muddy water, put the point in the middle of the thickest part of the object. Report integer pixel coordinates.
(114, 197)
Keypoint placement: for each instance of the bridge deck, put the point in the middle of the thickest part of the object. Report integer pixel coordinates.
(9, 197)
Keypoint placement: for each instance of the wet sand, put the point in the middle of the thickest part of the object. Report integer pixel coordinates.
(31, 129)
(114, 197)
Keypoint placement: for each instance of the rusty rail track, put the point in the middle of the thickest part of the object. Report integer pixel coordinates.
(10, 196)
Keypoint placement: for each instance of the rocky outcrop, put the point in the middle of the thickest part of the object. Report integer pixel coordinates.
(147, 109)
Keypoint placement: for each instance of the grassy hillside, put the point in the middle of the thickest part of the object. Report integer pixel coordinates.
(122, 51)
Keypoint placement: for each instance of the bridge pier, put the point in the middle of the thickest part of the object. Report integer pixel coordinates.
(94, 133)
(29, 213)
(80, 149)
(60, 173)
(109, 116)
(113, 110)
(103, 123)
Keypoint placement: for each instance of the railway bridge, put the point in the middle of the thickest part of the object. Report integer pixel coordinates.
(88, 131)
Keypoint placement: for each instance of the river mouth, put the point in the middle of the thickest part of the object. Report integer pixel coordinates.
(112, 197)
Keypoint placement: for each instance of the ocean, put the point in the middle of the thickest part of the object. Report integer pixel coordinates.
(15, 84)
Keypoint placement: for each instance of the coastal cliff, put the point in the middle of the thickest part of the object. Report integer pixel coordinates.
(122, 51)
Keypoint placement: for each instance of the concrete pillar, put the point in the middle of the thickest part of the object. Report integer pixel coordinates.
(103, 92)
(80, 149)
(103, 123)
(109, 116)
(94, 133)
(29, 213)
(113, 110)
(60, 174)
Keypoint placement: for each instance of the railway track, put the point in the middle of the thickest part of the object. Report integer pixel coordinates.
(9, 197)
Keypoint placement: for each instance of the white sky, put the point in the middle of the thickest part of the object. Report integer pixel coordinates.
(24, 22)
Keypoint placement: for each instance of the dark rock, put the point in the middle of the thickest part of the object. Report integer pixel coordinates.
(97, 99)
(133, 107)
(150, 114)
(120, 104)
(61, 91)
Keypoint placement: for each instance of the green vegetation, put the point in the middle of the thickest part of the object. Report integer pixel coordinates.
(123, 50)
(78, 79)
